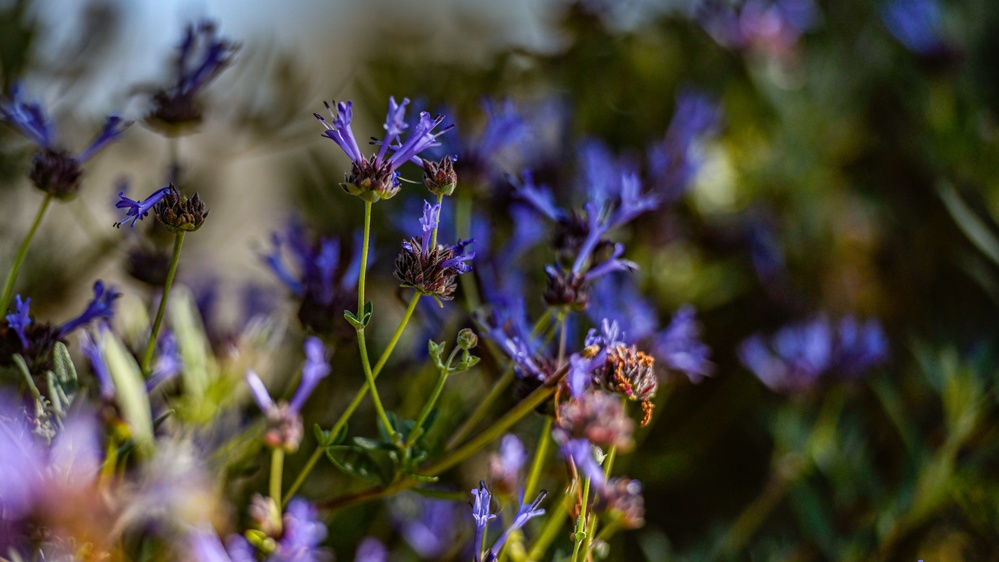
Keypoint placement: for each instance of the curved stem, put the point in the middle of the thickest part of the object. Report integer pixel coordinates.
(481, 410)
(425, 412)
(364, 260)
(379, 409)
(398, 333)
(8, 287)
(147, 357)
(306, 470)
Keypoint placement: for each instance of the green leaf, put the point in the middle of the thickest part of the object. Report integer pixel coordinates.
(422, 478)
(130, 388)
(366, 316)
(192, 343)
(358, 462)
(373, 445)
(431, 418)
(325, 438)
(349, 316)
(64, 370)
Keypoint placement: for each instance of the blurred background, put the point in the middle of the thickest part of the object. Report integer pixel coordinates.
(853, 171)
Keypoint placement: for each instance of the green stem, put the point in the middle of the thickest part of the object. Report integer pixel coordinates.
(8, 287)
(540, 456)
(147, 357)
(462, 453)
(277, 465)
(356, 401)
(481, 410)
(551, 529)
(581, 522)
(425, 412)
(398, 333)
(379, 409)
(364, 260)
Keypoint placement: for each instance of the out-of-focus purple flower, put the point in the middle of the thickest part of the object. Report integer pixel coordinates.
(137, 210)
(479, 157)
(679, 346)
(100, 308)
(314, 370)
(427, 525)
(525, 513)
(201, 55)
(506, 463)
(915, 24)
(312, 276)
(303, 532)
(675, 161)
(508, 328)
(371, 550)
(18, 320)
(798, 356)
(205, 546)
(54, 170)
(599, 417)
(580, 451)
(93, 350)
(482, 514)
(772, 27)
(22, 461)
(168, 363)
(376, 178)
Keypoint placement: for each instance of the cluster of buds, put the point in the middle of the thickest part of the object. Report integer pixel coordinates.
(439, 177)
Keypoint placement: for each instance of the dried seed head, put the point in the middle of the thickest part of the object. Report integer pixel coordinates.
(631, 373)
(598, 417)
(179, 213)
(566, 289)
(371, 181)
(622, 499)
(428, 272)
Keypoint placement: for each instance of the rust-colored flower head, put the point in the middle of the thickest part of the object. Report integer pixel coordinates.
(598, 417)
(630, 372)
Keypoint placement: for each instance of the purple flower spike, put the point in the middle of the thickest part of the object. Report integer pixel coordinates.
(114, 128)
(18, 320)
(168, 363)
(100, 308)
(482, 515)
(428, 222)
(338, 130)
(137, 210)
(314, 370)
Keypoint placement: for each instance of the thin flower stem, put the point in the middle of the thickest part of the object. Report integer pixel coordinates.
(497, 390)
(277, 465)
(562, 316)
(8, 287)
(540, 456)
(398, 333)
(581, 522)
(362, 346)
(425, 412)
(356, 401)
(556, 520)
(147, 357)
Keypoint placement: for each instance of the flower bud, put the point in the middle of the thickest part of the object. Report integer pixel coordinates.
(467, 339)
(179, 213)
(440, 178)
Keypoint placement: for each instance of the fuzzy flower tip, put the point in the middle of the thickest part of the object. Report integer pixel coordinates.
(137, 210)
(18, 320)
(376, 177)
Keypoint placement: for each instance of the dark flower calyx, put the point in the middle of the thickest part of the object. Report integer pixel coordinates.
(41, 338)
(428, 272)
(371, 181)
(566, 289)
(440, 177)
(56, 172)
(179, 213)
(173, 114)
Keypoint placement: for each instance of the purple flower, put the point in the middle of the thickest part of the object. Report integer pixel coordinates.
(314, 370)
(506, 463)
(54, 170)
(526, 512)
(371, 550)
(580, 451)
(205, 546)
(915, 24)
(376, 178)
(93, 350)
(427, 525)
(137, 210)
(168, 362)
(29, 118)
(18, 320)
(773, 27)
(201, 56)
(100, 308)
(432, 270)
(482, 514)
(302, 534)
(798, 356)
(674, 162)
(508, 328)
(680, 347)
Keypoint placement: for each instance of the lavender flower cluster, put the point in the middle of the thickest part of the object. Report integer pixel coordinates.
(142, 450)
